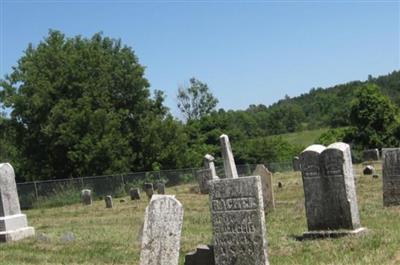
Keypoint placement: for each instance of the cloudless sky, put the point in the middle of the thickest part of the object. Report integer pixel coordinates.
(248, 52)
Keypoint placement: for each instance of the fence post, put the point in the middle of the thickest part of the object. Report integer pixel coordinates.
(82, 184)
(36, 191)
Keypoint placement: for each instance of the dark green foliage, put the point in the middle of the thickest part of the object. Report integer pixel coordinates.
(83, 107)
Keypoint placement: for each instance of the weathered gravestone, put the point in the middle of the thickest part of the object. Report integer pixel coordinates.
(237, 214)
(13, 224)
(86, 196)
(296, 163)
(162, 231)
(149, 190)
(209, 164)
(134, 193)
(371, 155)
(160, 187)
(108, 201)
(203, 255)
(391, 177)
(227, 156)
(329, 189)
(203, 177)
(266, 186)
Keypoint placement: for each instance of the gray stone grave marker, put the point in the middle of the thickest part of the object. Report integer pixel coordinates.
(162, 231)
(266, 186)
(13, 224)
(160, 188)
(296, 163)
(391, 177)
(329, 188)
(371, 155)
(203, 255)
(148, 188)
(109, 202)
(227, 155)
(203, 177)
(134, 193)
(86, 196)
(209, 164)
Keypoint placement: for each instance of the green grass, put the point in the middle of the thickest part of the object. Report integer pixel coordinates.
(110, 236)
(305, 138)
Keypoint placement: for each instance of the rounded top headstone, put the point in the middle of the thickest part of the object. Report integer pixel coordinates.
(317, 148)
(209, 157)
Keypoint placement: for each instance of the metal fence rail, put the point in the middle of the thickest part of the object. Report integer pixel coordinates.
(66, 191)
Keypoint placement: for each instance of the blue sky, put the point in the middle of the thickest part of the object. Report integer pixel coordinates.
(248, 52)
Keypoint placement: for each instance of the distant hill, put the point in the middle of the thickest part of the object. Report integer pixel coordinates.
(330, 107)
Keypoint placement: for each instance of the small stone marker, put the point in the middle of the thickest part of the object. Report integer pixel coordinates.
(109, 202)
(203, 255)
(13, 224)
(134, 193)
(296, 163)
(209, 164)
(86, 196)
(371, 155)
(162, 231)
(391, 177)
(329, 188)
(148, 188)
(227, 155)
(369, 170)
(266, 186)
(160, 188)
(203, 177)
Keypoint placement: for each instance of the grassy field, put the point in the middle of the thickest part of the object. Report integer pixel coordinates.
(111, 236)
(305, 138)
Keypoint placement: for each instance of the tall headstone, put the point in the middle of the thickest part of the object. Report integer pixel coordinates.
(108, 201)
(238, 221)
(149, 190)
(266, 186)
(385, 150)
(86, 196)
(329, 188)
(391, 177)
(134, 193)
(162, 231)
(203, 177)
(13, 224)
(296, 163)
(209, 164)
(371, 155)
(227, 155)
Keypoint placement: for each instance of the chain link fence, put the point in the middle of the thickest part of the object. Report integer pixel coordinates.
(51, 193)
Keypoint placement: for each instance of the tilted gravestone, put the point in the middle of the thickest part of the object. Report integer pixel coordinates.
(13, 224)
(238, 218)
(329, 188)
(162, 231)
(227, 156)
(391, 177)
(371, 155)
(86, 196)
(134, 193)
(266, 186)
(296, 163)
(203, 255)
(108, 201)
(149, 190)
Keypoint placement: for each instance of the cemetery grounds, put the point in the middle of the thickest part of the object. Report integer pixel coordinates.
(112, 236)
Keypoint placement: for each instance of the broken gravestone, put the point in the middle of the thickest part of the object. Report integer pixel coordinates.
(266, 186)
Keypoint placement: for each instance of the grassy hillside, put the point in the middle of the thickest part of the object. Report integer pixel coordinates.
(110, 236)
(305, 138)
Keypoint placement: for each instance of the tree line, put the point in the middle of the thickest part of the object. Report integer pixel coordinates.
(76, 106)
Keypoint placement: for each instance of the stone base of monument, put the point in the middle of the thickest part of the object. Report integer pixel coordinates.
(334, 233)
(15, 227)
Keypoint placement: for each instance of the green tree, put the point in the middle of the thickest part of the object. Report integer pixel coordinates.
(196, 100)
(81, 106)
(374, 119)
